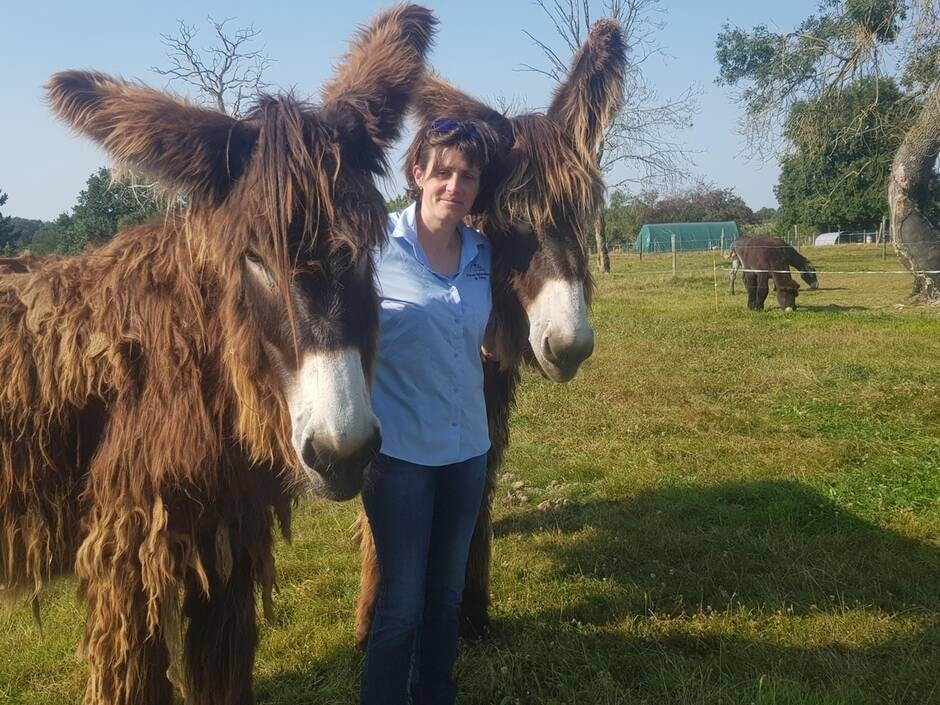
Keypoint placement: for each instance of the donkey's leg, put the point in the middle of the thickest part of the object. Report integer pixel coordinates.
(760, 293)
(474, 620)
(499, 385)
(123, 642)
(222, 633)
(750, 285)
(368, 581)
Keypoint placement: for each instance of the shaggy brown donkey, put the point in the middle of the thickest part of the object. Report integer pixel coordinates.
(168, 394)
(765, 258)
(550, 189)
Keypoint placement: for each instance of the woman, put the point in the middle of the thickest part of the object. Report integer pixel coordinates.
(424, 490)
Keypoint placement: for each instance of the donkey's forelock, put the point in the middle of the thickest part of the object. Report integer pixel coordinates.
(549, 184)
(302, 192)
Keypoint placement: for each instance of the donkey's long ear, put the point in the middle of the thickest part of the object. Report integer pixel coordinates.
(195, 151)
(376, 79)
(587, 101)
(436, 98)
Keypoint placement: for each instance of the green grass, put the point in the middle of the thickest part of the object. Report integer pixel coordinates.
(724, 507)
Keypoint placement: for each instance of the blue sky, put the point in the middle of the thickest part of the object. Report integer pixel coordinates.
(480, 47)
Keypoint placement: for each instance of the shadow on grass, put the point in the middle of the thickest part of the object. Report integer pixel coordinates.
(684, 665)
(762, 592)
(829, 308)
(773, 543)
(539, 659)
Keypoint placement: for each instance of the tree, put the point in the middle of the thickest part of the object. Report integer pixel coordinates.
(51, 237)
(7, 233)
(846, 43)
(227, 74)
(836, 173)
(104, 207)
(23, 231)
(701, 203)
(765, 214)
(398, 204)
(625, 215)
(639, 137)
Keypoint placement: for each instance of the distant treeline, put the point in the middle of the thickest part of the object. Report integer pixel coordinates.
(102, 208)
(105, 206)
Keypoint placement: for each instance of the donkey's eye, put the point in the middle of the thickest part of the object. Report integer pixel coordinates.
(258, 271)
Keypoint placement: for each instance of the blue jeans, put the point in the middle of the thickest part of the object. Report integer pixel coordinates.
(422, 520)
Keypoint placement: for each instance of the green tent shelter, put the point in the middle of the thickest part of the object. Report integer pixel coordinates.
(689, 236)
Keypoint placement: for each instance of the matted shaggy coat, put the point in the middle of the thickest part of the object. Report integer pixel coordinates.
(156, 411)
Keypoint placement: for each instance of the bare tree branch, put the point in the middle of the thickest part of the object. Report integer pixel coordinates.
(227, 74)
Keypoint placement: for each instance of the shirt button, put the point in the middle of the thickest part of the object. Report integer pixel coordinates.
(453, 425)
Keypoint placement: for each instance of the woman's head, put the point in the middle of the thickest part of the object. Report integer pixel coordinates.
(449, 165)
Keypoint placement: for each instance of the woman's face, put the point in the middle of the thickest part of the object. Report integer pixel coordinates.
(449, 185)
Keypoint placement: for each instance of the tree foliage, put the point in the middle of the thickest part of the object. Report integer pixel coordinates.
(765, 215)
(701, 203)
(625, 215)
(105, 206)
(846, 47)
(843, 44)
(51, 237)
(102, 209)
(23, 231)
(398, 203)
(7, 233)
(843, 143)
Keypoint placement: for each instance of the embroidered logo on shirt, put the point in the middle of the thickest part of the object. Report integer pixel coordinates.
(476, 271)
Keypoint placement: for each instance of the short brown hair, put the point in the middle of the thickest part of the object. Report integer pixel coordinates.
(473, 139)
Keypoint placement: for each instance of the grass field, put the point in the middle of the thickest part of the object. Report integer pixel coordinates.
(725, 507)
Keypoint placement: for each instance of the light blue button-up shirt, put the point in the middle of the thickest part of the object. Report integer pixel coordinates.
(428, 390)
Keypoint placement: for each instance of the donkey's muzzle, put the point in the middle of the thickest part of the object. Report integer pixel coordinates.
(562, 355)
(339, 477)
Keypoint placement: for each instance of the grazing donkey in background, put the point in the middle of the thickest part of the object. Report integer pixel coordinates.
(769, 257)
(549, 191)
(169, 393)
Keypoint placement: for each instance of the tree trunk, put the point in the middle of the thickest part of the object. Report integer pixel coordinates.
(916, 239)
(600, 239)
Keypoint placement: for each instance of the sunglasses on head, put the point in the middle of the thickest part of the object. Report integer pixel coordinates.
(445, 126)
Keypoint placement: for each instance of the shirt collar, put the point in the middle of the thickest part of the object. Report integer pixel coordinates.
(472, 240)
